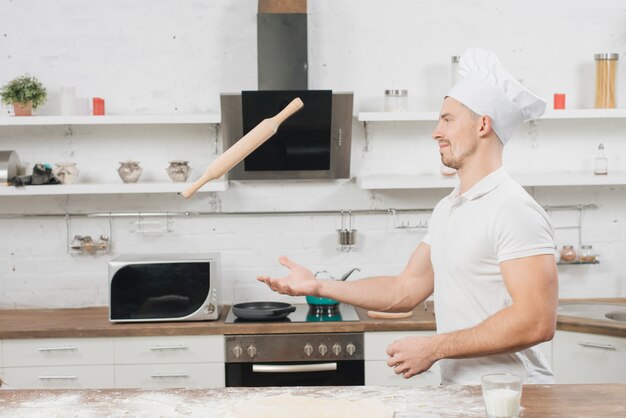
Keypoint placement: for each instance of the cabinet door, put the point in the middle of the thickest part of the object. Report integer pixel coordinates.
(377, 373)
(589, 358)
(178, 375)
(58, 352)
(174, 349)
(60, 377)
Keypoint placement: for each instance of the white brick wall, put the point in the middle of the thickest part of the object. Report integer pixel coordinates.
(164, 58)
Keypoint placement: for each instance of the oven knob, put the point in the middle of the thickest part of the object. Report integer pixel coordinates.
(237, 351)
(209, 309)
(350, 348)
(252, 351)
(336, 349)
(308, 349)
(322, 349)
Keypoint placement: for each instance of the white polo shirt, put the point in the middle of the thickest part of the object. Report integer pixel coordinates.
(469, 235)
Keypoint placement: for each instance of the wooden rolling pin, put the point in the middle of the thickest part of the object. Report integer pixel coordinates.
(389, 315)
(242, 148)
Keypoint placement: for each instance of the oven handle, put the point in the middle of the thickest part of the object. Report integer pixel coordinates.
(293, 368)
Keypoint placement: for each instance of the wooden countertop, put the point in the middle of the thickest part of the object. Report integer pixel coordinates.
(93, 322)
(543, 401)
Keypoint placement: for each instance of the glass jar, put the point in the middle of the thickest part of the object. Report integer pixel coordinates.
(586, 254)
(396, 100)
(606, 71)
(568, 254)
(601, 163)
(454, 70)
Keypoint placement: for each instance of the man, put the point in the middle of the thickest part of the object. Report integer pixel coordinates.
(488, 255)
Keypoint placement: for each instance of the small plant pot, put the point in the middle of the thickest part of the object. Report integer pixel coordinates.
(23, 109)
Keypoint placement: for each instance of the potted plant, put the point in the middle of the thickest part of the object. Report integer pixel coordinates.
(25, 93)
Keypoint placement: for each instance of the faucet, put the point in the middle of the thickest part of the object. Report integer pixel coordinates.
(348, 273)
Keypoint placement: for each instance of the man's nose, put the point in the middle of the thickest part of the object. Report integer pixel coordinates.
(436, 135)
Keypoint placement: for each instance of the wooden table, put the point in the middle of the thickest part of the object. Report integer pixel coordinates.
(450, 401)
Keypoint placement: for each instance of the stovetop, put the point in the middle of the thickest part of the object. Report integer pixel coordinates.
(307, 313)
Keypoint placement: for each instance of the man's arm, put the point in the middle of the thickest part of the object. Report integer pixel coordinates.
(530, 319)
(383, 293)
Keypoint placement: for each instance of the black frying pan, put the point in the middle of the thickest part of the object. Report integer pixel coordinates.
(262, 311)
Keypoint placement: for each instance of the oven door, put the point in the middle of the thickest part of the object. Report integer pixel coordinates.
(332, 373)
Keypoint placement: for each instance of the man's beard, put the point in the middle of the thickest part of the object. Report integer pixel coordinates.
(457, 162)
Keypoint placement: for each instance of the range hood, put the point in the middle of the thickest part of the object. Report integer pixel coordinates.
(312, 144)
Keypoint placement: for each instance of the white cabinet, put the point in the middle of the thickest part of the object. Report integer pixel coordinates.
(169, 362)
(589, 358)
(59, 363)
(57, 352)
(172, 375)
(377, 373)
(60, 377)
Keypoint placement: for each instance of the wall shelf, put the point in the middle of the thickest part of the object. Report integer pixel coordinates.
(108, 188)
(434, 116)
(203, 118)
(577, 263)
(416, 181)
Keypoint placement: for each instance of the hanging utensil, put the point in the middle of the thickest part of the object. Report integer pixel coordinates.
(347, 236)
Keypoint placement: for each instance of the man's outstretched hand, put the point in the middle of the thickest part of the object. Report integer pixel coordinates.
(299, 282)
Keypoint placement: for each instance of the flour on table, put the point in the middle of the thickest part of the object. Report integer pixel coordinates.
(288, 406)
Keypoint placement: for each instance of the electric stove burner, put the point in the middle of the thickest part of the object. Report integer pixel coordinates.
(308, 313)
(324, 313)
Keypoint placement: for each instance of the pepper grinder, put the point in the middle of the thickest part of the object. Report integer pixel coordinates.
(601, 163)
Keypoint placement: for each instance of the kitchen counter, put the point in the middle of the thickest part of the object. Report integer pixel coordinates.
(449, 401)
(93, 322)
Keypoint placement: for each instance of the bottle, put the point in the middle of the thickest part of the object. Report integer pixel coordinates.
(586, 254)
(396, 100)
(568, 254)
(601, 163)
(606, 70)
(454, 70)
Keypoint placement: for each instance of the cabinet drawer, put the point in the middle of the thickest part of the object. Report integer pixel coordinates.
(60, 377)
(375, 343)
(182, 349)
(179, 375)
(377, 373)
(588, 358)
(57, 352)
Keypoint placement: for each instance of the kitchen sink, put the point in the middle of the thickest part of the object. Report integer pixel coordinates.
(617, 316)
(594, 310)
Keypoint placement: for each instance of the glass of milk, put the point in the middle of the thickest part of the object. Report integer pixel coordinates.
(502, 394)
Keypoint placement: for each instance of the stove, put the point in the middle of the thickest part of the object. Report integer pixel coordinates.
(297, 359)
(307, 313)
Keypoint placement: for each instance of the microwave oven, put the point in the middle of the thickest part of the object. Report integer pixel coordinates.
(164, 287)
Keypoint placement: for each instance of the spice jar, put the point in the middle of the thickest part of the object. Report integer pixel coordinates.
(568, 254)
(396, 100)
(606, 70)
(586, 254)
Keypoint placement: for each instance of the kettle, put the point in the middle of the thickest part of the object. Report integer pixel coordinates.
(316, 300)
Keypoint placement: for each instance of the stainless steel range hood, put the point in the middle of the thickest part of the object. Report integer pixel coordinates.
(282, 45)
(314, 143)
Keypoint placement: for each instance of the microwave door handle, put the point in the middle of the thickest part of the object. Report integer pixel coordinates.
(293, 368)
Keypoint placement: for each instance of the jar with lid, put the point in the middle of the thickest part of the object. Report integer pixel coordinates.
(396, 100)
(606, 71)
(568, 254)
(454, 69)
(601, 163)
(586, 254)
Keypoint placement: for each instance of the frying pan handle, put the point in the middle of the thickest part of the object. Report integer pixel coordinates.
(281, 311)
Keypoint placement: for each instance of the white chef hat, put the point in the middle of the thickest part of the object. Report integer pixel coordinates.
(489, 89)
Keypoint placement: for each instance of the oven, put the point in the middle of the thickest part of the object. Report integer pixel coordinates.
(320, 359)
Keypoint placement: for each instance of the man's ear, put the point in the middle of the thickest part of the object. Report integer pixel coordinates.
(485, 126)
